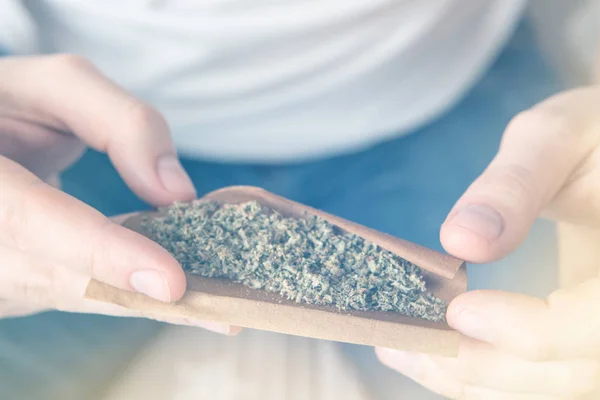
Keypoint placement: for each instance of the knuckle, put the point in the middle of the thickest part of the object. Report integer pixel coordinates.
(15, 207)
(551, 121)
(520, 182)
(12, 219)
(562, 129)
(561, 300)
(57, 280)
(95, 252)
(44, 288)
(519, 185)
(36, 289)
(142, 118)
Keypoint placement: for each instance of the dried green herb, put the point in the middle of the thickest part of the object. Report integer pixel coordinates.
(307, 260)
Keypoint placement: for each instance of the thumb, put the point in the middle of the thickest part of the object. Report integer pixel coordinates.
(59, 232)
(538, 152)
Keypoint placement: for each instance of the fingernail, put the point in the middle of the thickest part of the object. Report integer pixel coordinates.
(151, 283)
(473, 324)
(174, 178)
(480, 219)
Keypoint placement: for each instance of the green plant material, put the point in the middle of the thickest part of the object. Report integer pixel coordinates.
(308, 260)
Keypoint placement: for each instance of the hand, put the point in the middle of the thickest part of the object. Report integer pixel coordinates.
(515, 346)
(50, 243)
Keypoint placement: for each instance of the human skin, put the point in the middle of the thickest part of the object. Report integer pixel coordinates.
(515, 346)
(51, 244)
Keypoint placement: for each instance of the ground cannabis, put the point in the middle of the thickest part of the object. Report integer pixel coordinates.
(305, 260)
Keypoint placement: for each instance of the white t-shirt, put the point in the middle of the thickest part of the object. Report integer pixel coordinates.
(281, 80)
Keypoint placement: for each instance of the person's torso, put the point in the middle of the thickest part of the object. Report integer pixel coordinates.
(274, 80)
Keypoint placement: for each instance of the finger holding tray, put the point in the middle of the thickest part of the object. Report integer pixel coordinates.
(394, 295)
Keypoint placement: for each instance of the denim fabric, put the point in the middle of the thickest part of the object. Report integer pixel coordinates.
(404, 187)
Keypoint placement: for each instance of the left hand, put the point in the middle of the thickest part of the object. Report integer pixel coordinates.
(515, 346)
(51, 244)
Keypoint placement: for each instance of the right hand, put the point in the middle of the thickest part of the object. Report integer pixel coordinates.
(51, 244)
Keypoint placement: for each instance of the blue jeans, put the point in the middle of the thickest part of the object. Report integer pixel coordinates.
(404, 187)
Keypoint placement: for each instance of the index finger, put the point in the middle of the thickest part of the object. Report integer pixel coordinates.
(79, 99)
